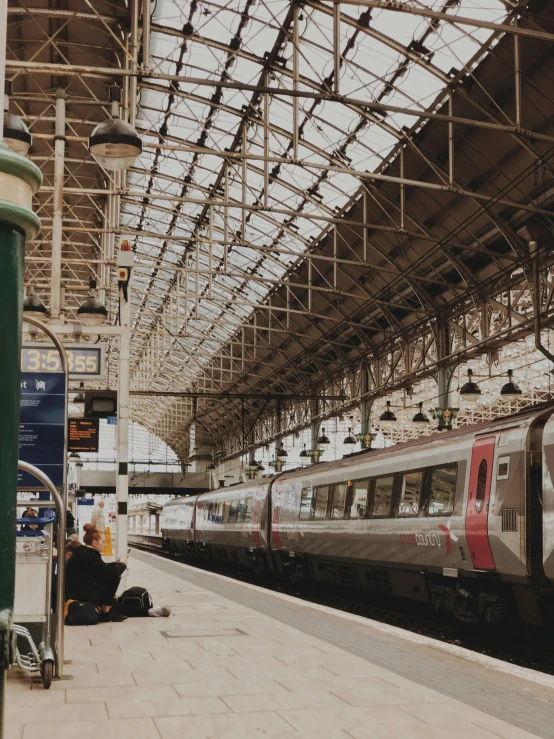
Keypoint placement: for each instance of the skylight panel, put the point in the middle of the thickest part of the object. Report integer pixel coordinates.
(369, 72)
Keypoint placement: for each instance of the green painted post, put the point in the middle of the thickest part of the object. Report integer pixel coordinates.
(19, 179)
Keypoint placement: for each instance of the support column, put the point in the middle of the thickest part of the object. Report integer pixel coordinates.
(19, 179)
(315, 423)
(57, 218)
(444, 413)
(122, 483)
(365, 403)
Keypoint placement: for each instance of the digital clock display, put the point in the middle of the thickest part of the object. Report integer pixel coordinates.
(85, 361)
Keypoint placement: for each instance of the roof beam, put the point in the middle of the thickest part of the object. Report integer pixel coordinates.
(421, 11)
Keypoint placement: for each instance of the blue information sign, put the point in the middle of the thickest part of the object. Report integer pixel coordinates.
(41, 426)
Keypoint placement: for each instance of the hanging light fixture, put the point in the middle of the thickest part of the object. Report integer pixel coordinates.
(323, 441)
(510, 388)
(303, 454)
(388, 415)
(260, 468)
(350, 440)
(16, 133)
(115, 144)
(34, 307)
(282, 452)
(92, 312)
(253, 465)
(420, 416)
(470, 391)
(211, 466)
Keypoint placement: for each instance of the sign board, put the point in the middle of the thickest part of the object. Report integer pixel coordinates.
(42, 426)
(112, 420)
(86, 361)
(83, 434)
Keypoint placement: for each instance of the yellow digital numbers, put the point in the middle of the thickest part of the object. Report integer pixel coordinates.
(33, 363)
(81, 360)
(53, 363)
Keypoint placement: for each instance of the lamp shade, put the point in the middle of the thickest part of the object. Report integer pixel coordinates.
(115, 144)
(420, 416)
(34, 307)
(282, 452)
(304, 454)
(388, 415)
(510, 388)
(16, 134)
(470, 391)
(350, 440)
(211, 466)
(323, 440)
(92, 312)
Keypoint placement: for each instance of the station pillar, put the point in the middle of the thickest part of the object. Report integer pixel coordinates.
(19, 180)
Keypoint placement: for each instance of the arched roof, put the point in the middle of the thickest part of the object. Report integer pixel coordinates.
(294, 210)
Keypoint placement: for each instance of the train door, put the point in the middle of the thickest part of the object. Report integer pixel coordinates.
(477, 514)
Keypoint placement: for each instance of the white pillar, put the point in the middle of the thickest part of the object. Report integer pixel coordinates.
(122, 484)
(57, 219)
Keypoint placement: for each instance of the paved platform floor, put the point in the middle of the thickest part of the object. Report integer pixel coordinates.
(222, 667)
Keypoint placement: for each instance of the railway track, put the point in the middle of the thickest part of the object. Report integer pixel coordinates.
(508, 644)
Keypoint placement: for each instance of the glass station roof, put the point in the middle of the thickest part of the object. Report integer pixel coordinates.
(202, 270)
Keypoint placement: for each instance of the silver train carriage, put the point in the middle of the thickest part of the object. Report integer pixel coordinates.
(462, 520)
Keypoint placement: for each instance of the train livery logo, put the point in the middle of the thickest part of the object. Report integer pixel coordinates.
(449, 536)
(430, 538)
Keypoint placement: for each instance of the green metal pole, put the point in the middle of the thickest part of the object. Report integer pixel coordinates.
(19, 179)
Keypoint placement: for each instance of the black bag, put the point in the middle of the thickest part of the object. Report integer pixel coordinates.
(81, 614)
(134, 602)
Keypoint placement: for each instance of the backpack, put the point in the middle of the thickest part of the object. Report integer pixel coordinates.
(80, 614)
(134, 602)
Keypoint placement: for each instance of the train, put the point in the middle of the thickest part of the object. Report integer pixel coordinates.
(461, 520)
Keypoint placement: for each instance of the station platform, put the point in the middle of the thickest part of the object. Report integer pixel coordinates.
(235, 660)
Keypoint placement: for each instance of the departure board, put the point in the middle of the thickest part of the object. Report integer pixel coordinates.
(83, 434)
(86, 361)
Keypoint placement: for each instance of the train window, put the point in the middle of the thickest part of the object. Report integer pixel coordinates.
(410, 494)
(214, 516)
(321, 499)
(481, 486)
(338, 501)
(359, 501)
(306, 503)
(232, 517)
(382, 496)
(249, 508)
(241, 511)
(443, 490)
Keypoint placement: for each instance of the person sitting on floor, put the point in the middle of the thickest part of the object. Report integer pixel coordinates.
(70, 546)
(90, 579)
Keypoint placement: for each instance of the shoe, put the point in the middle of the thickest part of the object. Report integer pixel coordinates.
(160, 611)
